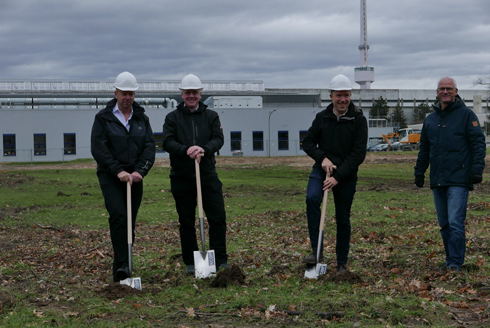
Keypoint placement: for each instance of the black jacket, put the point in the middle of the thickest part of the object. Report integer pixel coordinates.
(115, 149)
(342, 140)
(183, 129)
(452, 141)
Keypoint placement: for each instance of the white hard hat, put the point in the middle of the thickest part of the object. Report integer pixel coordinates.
(340, 82)
(126, 82)
(191, 82)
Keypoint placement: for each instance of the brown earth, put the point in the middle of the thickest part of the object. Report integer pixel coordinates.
(80, 268)
(298, 161)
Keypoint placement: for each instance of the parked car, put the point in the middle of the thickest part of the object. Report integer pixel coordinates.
(381, 147)
(396, 146)
(370, 147)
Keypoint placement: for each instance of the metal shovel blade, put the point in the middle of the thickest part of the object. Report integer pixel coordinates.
(313, 271)
(132, 282)
(204, 263)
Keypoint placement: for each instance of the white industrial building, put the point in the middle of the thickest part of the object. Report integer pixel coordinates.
(51, 120)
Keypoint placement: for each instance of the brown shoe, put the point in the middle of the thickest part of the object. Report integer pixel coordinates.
(311, 259)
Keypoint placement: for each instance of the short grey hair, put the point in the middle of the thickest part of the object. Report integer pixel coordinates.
(447, 78)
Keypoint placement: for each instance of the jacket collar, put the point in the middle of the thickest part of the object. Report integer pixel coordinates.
(107, 111)
(457, 103)
(181, 107)
(349, 115)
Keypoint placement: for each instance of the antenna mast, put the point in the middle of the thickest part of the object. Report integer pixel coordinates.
(364, 75)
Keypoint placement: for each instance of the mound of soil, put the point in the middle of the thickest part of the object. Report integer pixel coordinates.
(346, 276)
(116, 291)
(232, 275)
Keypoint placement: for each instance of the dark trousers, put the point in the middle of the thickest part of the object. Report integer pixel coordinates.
(185, 195)
(343, 195)
(115, 195)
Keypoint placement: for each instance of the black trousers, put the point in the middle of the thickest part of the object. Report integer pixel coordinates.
(115, 195)
(185, 195)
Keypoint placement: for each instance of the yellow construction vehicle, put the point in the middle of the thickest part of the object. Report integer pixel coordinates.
(410, 138)
(389, 137)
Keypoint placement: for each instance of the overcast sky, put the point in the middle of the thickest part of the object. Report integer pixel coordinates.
(285, 43)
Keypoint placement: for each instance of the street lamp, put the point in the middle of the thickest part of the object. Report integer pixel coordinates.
(269, 130)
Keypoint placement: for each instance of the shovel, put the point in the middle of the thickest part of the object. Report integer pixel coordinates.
(204, 261)
(315, 270)
(131, 282)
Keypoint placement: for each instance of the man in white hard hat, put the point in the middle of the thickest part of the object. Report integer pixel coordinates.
(123, 146)
(191, 132)
(337, 142)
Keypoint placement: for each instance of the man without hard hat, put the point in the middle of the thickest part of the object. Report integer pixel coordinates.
(193, 133)
(123, 146)
(336, 141)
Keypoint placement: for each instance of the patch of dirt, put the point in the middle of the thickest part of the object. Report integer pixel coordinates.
(232, 275)
(297, 161)
(346, 276)
(116, 291)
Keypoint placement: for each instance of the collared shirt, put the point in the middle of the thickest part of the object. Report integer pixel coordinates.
(192, 110)
(120, 116)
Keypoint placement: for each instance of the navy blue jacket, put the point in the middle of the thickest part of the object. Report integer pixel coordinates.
(115, 149)
(453, 143)
(342, 140)
(183, 129)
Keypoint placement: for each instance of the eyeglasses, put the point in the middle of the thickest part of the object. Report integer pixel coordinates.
(191, 93)
(445, 89)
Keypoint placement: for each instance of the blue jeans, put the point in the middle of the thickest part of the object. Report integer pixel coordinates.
(343, 195)
(451, 205)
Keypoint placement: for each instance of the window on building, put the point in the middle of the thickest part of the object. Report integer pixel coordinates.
(302, 135)
(158, 142)
(40, 144)
(283, 140)
(378, 123)
(258, 140)
(9, 145)
(236, 140)
(70, 143)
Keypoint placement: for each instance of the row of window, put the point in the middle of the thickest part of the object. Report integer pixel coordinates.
(70, 144)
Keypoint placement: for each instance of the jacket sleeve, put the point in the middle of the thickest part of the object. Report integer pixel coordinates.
(423, 156)
(217, 139)
(357, 154)
(147, 157)
(100, 150)
(477, 143)
(312, 140)
(170, 144)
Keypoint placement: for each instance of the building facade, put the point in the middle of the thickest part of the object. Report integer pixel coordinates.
(52, 120)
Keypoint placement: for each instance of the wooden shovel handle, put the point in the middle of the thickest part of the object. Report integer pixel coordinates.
(324, 207)
(199, 192)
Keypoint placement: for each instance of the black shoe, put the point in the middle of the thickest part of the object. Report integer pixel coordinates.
(341, 268)
(190, 270)
(122, 273)
(453, 268)
(223, 266)
(311, 259)
(442, 268)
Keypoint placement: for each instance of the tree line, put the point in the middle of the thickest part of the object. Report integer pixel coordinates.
(380, 109)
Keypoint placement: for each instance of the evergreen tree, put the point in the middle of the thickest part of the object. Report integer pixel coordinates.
(420, 112)
(398, 117)
(380, 108)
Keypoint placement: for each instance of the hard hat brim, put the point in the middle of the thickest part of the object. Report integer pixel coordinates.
(126, 89)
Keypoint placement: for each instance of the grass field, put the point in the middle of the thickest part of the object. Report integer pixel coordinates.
(56, 257)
